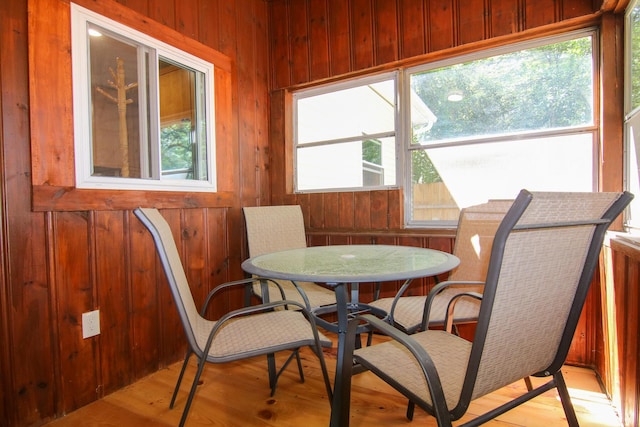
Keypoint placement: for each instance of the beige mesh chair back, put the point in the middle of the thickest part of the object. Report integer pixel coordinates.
(457, 299)
(240, 334)
(279, 228)
(542, 262)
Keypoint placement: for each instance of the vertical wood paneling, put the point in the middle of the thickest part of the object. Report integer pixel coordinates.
(385, 33)
(472, 26)
(318, 40)
(79, 358)
(279, 45)
(379, 210)
(362, 210)
(144, 300)
(339, 37)
(412, 28)
(208, 23)
(441, 25)
(218, 259)
(331, 210)
(362, 34)
(346, 210)
(187, 18)
(111, 257)
(74, 262)
(505, 17)
(316, 211)
(539, 12)
(299, 42)
(27, 328)
(162, 11)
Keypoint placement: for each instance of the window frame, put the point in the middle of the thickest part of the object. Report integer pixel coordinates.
(81, 18)
(403, 130)
(593, 128)
(335, 87)
(51, 119)
(631, 117)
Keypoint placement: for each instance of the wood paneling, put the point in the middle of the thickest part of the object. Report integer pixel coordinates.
(97, 255)
(617, 363)
(394, 34)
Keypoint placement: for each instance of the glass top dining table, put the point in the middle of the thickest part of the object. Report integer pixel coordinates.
(339, 266)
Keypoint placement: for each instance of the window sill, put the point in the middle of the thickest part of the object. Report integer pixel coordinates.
(54, 198)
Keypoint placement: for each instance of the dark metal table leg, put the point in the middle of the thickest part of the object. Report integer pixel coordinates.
(344, 362)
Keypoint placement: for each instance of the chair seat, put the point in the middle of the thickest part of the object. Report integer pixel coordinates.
(318, 295)
(258, 335)
(393, 361)
(409, 310)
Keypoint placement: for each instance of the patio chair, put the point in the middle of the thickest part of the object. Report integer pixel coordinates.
(239, 334)
(542, 262)
(455, 301)
(279, 228)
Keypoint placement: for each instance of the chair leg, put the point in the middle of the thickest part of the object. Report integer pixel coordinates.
(410, 410)
(570, 413)
(273, 375)
(527, 381)
(184, 367)
(299, 366)
(192, 392)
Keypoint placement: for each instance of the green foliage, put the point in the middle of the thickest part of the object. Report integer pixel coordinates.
(540, 88)
(176, 146)
(529, 90)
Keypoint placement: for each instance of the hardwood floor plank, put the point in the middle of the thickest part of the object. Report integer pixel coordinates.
(237, 394)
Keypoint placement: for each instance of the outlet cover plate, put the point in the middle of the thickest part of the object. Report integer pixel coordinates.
(90, 324)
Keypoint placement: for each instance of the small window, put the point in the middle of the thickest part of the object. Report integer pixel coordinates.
(143, 110)
(345, 135)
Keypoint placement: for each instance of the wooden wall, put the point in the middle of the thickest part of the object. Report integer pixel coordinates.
(320, 41)
(58, 264)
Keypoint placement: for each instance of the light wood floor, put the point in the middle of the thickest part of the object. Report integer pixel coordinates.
(237, 394)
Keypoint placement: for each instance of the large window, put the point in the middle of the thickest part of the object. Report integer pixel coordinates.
(632, 110)
(520, 118)
(143, 110)
(476, 127)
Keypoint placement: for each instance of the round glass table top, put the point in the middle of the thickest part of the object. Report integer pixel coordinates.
(351, 263)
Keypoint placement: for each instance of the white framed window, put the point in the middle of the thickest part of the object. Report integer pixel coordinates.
(345, 135)
(519, 116)
(143, 110)
(632, 114)
(472, 128)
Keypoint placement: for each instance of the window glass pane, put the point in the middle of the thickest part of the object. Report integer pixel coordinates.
(363, 110)
(634, 57)
(446, 179)
(114, 105)
(345, 138)
(346, 165)
(181, 145)
(546, 87)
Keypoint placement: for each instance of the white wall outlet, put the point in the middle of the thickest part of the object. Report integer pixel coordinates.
(90, 323)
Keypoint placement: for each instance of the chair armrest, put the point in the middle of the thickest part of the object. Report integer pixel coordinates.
(243, 282)
(449, 315)
(439, 288)
(427, 366)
